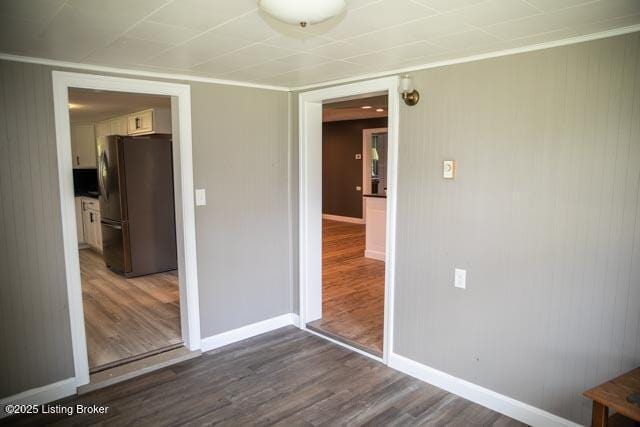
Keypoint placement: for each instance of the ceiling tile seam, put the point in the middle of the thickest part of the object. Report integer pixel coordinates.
(574, 6)
(215, 27)
(488, 28)
(127, 30)
(45, 22)
(391, 27)
(265, 41)
(330, 41)
(430, 41)
(430, 9)
(436, 13)
(50, 20)
(293, 52)
(456, 9)
(149, 21)
(533, 6)
(232, 52)
(484, 30)
(472, 58)
(302, 68)
(566, 28)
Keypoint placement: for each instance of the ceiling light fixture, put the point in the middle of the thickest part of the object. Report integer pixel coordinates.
(366, 107)
(73, 106)
(379, 110)
(302, 12)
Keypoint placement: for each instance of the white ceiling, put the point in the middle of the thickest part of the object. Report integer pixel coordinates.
(90, 106)
(231, 39)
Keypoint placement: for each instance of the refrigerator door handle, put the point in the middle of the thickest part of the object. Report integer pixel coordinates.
(114, 225)
(103, 173)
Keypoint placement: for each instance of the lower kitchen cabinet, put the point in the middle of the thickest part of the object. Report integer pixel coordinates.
(90, 214)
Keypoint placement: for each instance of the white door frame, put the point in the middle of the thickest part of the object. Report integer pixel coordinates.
(310, 198)
(185, 216)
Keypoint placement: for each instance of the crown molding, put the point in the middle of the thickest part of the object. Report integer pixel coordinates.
(523, 49)
(132, 72)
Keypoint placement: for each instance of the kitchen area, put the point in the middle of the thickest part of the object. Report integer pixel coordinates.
(125, 219)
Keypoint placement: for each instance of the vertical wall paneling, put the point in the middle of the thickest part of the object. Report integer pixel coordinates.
(240, 157)
(35, 321)
(544, 214)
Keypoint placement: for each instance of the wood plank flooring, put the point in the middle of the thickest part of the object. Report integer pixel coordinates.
(126, 319)
(352, 288)
(286, 377)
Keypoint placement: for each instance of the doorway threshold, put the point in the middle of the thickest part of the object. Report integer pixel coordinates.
(317, 327)
(135, 368)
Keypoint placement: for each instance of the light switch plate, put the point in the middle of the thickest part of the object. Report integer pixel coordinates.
(449, 169)
(358, 188)
(201, 197)
(460, 278)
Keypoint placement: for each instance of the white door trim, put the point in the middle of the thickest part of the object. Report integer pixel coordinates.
(189, 309)
(310, 195)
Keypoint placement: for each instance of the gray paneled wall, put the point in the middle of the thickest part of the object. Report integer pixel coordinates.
(240, 147)
(34, 319)
(243, 232)
(544, 214)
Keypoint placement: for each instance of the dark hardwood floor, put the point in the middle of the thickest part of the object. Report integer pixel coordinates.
(287, 377)
(352, 288)
(126, 319)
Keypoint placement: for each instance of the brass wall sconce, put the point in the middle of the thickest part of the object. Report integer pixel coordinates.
(410, 95)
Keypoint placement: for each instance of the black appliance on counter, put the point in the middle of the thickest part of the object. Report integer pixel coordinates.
(135, 177)
(85, 182)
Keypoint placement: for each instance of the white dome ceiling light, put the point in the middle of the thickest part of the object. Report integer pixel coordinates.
(302, 12)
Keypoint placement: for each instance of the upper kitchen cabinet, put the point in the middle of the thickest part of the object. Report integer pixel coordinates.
(118, 126)
(154, 120)
(115, 126)
(83, 146)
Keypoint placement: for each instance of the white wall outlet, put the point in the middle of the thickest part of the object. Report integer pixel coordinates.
(358, 156)
(358, 188)
(201, 197)
(460, 278)
(449, 169)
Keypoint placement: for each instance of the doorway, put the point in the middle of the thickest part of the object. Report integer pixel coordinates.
(123, 182)
(354, 166)
(320, 237)
(182, 169)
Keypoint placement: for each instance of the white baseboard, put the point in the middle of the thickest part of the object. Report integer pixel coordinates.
(343, 218)
(40, 395)
(244, 332)
(505, 405)
(380, 256)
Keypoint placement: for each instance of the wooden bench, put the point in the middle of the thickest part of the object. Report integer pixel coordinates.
(615, 394)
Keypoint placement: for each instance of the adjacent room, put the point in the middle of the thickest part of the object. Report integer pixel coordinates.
(354, 163)
(320, 212)
(123, 186)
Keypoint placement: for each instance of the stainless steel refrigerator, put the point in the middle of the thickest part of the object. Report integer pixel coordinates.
(135, 179)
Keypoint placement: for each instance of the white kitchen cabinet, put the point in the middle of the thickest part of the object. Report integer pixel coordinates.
(79, 223)
(118, 126)
(154, 120)
(83, 146)
(91, 223)
(103, 128)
